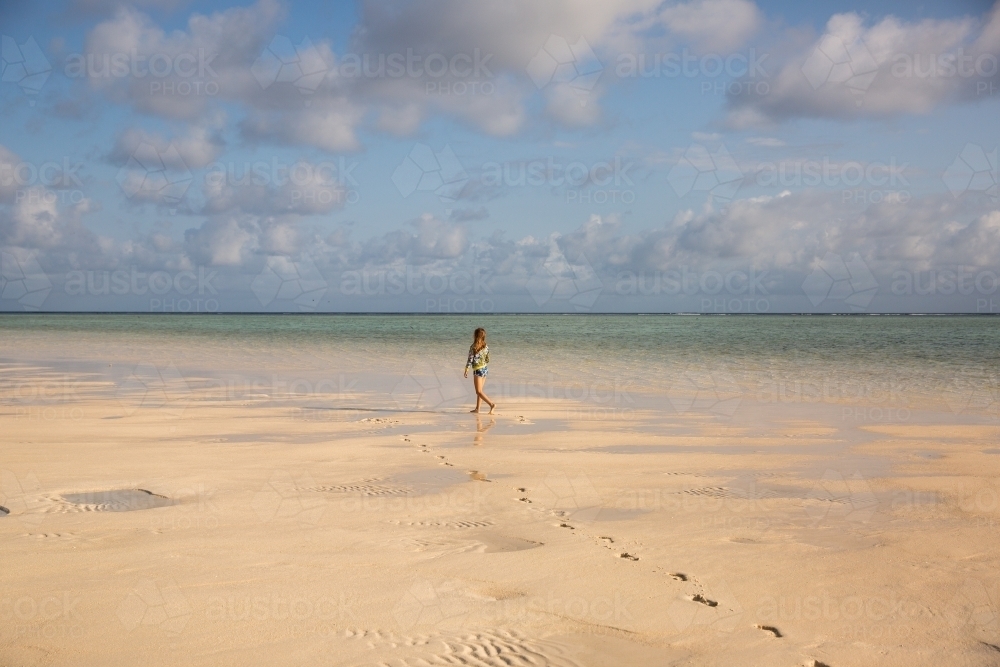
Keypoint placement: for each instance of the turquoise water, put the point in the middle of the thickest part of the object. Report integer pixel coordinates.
(909, 355)
(959, 342)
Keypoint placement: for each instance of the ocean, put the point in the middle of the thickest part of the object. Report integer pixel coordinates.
(951, 362)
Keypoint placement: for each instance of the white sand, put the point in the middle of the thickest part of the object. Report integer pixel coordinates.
(549, 534)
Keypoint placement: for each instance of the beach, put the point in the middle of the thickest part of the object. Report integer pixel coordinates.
(302, 490)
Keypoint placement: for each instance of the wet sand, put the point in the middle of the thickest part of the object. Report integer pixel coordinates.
(144, 527)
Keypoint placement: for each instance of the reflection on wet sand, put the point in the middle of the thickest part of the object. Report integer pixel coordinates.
(482, 428)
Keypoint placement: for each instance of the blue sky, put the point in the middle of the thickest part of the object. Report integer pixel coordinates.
(853, 167)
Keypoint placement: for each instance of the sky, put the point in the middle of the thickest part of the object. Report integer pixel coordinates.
(708, 156)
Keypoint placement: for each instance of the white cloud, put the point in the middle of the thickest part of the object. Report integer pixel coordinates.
(327, 123)
(714, 25)
(180, 73)
(198, 147)
(225, 241)
(101, 7)
(486, 47)
(765, 142)
(893, 67)
(303, 188)
(432, 239)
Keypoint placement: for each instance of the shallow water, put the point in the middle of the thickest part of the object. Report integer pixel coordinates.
(595, 359)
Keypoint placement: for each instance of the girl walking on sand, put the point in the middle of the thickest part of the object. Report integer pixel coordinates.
(479, 358)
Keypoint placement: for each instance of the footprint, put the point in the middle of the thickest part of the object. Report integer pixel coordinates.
(703, 600)
(525, 500)
(679, 576)
(520, 489)
(816, 663)
(566, 525)
(4, 511)
(626, 555)
(609, 539)
(771, 629)
(478, 476)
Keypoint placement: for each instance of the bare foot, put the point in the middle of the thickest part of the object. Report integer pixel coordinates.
(474, 410)
(492, 408)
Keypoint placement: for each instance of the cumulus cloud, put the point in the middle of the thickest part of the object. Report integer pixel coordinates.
(198, 147)
(327, 123)
(180, 73)
(235, 240)
(893, 67)
(404, 63)
(430, 239)
(713, 25)
(786, 233)
(263, 189)
(104, 7)
(33, 214)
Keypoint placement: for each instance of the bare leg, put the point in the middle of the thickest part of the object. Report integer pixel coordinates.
(476, 383)
(480, 381)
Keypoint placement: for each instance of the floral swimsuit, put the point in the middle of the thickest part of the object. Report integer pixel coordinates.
(478, 361)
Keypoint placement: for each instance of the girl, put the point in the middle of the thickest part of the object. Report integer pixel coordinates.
(479, 357)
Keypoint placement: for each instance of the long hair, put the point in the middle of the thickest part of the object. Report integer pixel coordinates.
(478, 340)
